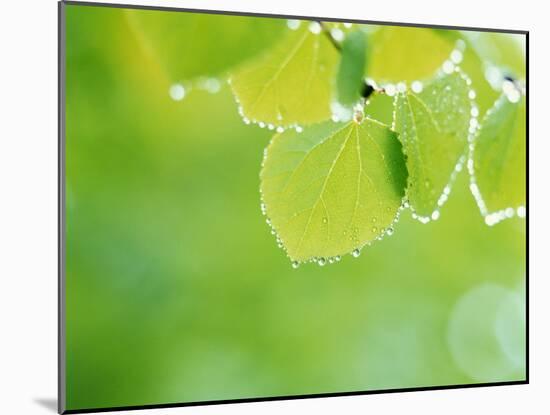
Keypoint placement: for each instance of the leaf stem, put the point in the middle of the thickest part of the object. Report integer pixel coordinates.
(367, 90)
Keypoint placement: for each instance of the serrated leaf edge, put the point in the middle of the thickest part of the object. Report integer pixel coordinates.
(355, 252)
(445, 194)
(494, 217)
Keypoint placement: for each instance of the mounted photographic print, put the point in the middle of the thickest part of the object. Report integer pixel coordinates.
(259, 207)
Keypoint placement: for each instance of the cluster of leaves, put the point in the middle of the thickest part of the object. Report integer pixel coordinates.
(368, 120)
(339, 174)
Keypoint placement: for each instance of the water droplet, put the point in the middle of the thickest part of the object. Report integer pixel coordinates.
(348, 25)
(337, 258)
(470, 165)
(390, 90)
(435, 215)
(356, 252)
(280, 130)
(337, 34)
(177, 92)
(513, 96)
(295, 264)
(417, 87)
(448, 67)
(494, 76)
(321, 261)
(472, 94)
(456, 56)
(389, 231)
(315, 28)
(211, 85)
(521, 211)
(374, 229)
(293, 24)
(261, 124)
(358, 117)
(460, 44)
(298, 129)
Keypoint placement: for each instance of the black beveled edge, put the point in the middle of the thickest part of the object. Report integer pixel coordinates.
(293, 397)
(61, 215)
(286, 16)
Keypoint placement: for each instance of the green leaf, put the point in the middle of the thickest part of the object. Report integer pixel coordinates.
(499, 161)
(487, 58)
(291, 84)
(188, 45)
(504, 50)
(406, 53)
(433, 127)
(333, 188)
(474, 66)
(349, 80)
(380, 107)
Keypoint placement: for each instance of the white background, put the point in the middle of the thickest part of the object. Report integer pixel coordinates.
(28, 187)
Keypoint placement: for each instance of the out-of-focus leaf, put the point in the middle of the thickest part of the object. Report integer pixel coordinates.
(503, 50)
(467, 55)
(349, 80)
(500, 156)
(406, 53)
(474, 66)
(332, 188)
(290, 84)
(188, 45)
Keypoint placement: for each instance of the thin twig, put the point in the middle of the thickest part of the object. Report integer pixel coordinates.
(326, 31)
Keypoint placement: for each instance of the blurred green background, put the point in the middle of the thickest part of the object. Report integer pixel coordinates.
(175, 288)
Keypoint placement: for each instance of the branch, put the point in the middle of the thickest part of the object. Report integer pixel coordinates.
(326, 31)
